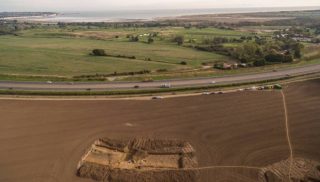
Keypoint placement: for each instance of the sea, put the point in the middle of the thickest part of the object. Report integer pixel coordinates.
(146, 15)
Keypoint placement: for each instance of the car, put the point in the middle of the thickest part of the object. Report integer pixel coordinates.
(254, 88)
(157, 97)
(49, 82)
(219, 92)
(240, 89)
(136, 86)
(277, 86)
(213, 82)
(206, 93)
(165, 85)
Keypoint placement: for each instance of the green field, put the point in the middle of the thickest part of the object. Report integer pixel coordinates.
(65, 52)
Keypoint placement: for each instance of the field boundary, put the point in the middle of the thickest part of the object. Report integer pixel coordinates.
(287, 131)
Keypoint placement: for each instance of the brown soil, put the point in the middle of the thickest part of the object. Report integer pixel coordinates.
(301, 170)
(303, 109)
(44, 140)
(139, 160)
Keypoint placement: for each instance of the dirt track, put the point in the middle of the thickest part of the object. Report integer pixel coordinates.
(44, 140)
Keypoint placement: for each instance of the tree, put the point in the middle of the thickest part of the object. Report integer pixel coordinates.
(179, 39)
(134, 39)
(249, 52)
(98, 52)
(317, 31)
(150, 40)
(261, 62)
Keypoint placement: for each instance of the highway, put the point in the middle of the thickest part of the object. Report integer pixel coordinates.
(100, 86)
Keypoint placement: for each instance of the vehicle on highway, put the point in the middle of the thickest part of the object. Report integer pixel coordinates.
(49, 82)
(157, 97)
(219, 92)
(254, 88)
(165, 85)
(206, 93)
(213, 82)
(136, 86)
(277, 86)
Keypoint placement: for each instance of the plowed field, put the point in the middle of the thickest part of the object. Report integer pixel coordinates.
(234, 134)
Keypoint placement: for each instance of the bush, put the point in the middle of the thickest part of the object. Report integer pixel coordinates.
(179, 39)
(259, 63)
(134, 39)
(98, 52)
(150, 40)
(183, 63)
(274, 57)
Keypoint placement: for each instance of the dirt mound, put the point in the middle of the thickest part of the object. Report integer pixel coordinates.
(139, 160)
(302, 170)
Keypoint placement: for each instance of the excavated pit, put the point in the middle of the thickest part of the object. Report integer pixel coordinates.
(139, 160)
(302, 170)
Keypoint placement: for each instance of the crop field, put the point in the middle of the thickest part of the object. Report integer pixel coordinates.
(65, 52)
(235, 136)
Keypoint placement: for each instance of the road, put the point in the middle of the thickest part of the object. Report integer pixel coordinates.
(94, 86)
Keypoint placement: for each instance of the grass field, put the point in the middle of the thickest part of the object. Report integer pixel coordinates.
(59, 54)
(66, 53)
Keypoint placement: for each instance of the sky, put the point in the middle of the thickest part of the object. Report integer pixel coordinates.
(97, 5)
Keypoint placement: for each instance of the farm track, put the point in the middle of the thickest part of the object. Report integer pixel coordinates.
(234, 134)
(287, 132)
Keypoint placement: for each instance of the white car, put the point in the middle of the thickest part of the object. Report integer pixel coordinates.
(157, 97)
(49, 82)
(254, 88)
(165, 85)
(206, 93)
(213, 82)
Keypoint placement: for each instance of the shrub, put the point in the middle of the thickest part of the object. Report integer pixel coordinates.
(259, 63)
(183, 63)
(99, 52)
(150, 40)
(134, 39)
(179, 39)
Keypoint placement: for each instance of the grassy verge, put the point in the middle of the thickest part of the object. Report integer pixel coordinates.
(217, 73)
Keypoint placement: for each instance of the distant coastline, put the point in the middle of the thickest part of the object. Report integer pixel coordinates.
(133, 15)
